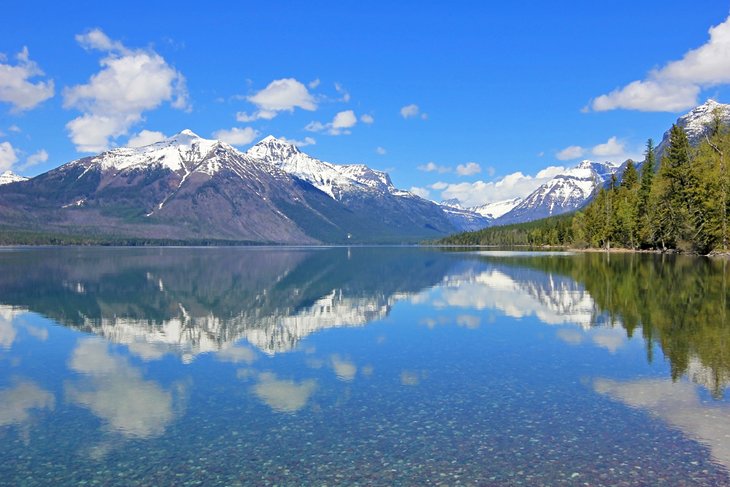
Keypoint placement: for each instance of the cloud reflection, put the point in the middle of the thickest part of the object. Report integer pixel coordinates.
(344, 369)
(17, 402)
(679, 405)
(286, 396)
(116, 392)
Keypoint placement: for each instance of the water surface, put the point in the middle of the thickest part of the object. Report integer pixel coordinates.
(361, 366)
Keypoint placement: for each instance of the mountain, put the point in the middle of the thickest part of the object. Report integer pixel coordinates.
(496, 209)
(10, 177)
(189, 188)
(333, 179)
(364, 191)
(566, 192)
(466, 219)
(696, 123)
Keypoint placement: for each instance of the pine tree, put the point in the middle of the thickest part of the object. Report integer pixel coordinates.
(647, 177)
(626, 208)
(672, 197)
(630, 177)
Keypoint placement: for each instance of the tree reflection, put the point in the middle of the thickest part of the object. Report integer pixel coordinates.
(677, 302)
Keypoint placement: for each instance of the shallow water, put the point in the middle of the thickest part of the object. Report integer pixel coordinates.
(361, 366)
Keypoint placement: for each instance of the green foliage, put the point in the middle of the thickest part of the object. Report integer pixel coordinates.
(555, 231)
(684, 206)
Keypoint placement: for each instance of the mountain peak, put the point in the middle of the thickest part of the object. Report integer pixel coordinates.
(186, 134)
(696, 123)
(710, 103)
(272, 141)
(8, 177)
(273, 149)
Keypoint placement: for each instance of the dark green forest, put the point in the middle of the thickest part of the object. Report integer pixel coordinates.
(681, 206)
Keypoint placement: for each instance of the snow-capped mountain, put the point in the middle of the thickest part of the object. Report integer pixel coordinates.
(696, 123)
(10, 177)
(361, 188)
(187, 187)
(476, 217)
(333, 179)
(496, 209)
(566, 192)
(465, 219)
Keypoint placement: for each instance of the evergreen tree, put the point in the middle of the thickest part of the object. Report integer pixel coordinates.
(626, 208)
(643, 223)
(672, 196)
(630, 178)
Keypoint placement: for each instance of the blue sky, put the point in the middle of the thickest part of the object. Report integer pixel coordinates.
(465, 99)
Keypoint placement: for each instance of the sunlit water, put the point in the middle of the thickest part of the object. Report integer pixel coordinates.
(361, 366)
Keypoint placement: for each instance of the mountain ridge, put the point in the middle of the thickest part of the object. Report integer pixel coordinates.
(187, 187)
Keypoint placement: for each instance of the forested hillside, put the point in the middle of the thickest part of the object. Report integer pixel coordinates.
(682, 206)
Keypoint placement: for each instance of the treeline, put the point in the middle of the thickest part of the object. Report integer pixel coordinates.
(683, 206)
(10, 237)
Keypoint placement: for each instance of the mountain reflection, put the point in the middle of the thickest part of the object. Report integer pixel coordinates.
(190, 301)
(200, 300)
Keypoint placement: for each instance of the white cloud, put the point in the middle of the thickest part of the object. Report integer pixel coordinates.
(613, 149)
(677, 85)
(433, 167)
(610, 148)
(649, 96)
(345, 96)
(340, 124)
(145, 137)
(380, 151)
(368, 119)
(237, 135)
(283, 95)
(570, 152)
(14, 128)
(315, 126)
(313, 84)
(422, 192)
(129, 83)
(16, 87)
(98, 40)
(548, 173)
(300, 143)
(344, 119)
(511, 186)
(258, 115)
(468, 169)
(38, 157)
(8, 156)
(412, 111)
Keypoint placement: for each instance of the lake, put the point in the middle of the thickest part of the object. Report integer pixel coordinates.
(362, 366)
